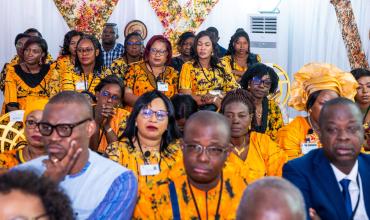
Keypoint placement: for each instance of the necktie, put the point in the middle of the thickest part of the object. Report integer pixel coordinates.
(347, 198)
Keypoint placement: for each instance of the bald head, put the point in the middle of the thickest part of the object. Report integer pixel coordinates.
(72, 97)
(208, 119)
(271, 198)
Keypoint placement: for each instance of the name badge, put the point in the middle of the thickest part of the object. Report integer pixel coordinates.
(162, 86)
(149, 170)
(215, 92)
(17, 115)
(307, 147)
(80, 86)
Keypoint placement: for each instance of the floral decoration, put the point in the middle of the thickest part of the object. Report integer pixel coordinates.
(176, 19)
(88, 16)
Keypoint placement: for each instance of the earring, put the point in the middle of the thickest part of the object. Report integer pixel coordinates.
(40, 62)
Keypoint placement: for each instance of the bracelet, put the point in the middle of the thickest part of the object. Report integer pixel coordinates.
(109, 130)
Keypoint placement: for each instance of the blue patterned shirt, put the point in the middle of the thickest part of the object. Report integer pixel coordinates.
(111, 55)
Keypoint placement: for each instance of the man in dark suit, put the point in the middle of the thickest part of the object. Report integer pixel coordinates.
(335, 180)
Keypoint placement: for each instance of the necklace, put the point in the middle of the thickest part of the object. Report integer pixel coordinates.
(310, 123)
(239, 152)
(258, 114)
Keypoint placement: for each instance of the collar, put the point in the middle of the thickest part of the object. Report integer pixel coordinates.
(339, 175)
(113, 49)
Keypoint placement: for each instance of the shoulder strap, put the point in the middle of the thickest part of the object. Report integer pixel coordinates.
(174, 201)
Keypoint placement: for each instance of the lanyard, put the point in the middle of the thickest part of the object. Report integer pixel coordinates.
(146, 154)
(87, 81)
(160, 77)
(217, 216)
(358, 198)
(205, 75)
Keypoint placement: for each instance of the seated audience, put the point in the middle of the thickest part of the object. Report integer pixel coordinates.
(271, 198)
(335, 179)
(31, 80)
(261, 81)
(205, 78)
(362, 97)
(184, 45)
(109, 117)
(148, 145)
(97, 187)
(154, 73)
(110, 49)
(254, 154)
(238, 56)
(66, 60)
(33, 148)
(24, 195)
(184, 106)
(133, 52)
(88, 69)
(314, 84)
(219, 50)
(19, 42)
(204, 190)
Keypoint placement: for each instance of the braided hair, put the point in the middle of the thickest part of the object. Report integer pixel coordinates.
(239, 96)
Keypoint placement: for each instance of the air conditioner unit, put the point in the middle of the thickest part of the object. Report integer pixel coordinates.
(263, 35)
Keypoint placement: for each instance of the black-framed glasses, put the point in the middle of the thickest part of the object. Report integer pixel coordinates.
(130, 43)
(211, 151)
(148, 113)
(31, 124)
(63, 130)
(159, 52)
(258, 81)
(107, 95)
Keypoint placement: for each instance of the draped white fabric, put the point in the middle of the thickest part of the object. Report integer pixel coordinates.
(309, 28)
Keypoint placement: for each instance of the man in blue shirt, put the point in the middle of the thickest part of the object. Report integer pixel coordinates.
(97, 187)
(111, 49)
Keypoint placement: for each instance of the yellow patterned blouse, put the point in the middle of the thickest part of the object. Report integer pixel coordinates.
(119, 67)
(156, 203)
(64, 64)
(118, 124)
(291, 136)
(274, 120)
(132, 158)
(226, 60)
(140, 80)
(70, 80)
(265, 158)
(201, 80)
(11, 158)
(12, 63)
(21, 87)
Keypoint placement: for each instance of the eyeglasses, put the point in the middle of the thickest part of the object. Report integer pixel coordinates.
(63, 130)
(148, 113)
(107, 95)
(159, 52)
(85, 50)
(130, 43)
(258, 81)
(31, 124)
(211, 151)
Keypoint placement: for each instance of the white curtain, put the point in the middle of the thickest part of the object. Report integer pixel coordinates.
(310, 27)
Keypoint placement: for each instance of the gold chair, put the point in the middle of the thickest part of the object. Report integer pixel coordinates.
(11, 134)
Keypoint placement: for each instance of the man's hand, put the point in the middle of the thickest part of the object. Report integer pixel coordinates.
(57, 169)
(314, 215)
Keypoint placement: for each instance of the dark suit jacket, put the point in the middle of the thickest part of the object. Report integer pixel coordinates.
(313, 175)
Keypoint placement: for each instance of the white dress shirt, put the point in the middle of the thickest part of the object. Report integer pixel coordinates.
(353, 190)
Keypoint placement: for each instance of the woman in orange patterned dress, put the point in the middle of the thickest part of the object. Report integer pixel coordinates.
(154, 73)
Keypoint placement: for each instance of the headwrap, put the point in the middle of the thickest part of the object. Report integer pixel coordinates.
(38, 104)
(314, 77)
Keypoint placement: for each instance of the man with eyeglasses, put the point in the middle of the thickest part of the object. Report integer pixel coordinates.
(97, 187)
(110, 48)
(198, 187)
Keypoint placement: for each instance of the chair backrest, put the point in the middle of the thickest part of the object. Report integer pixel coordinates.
(11, 133)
